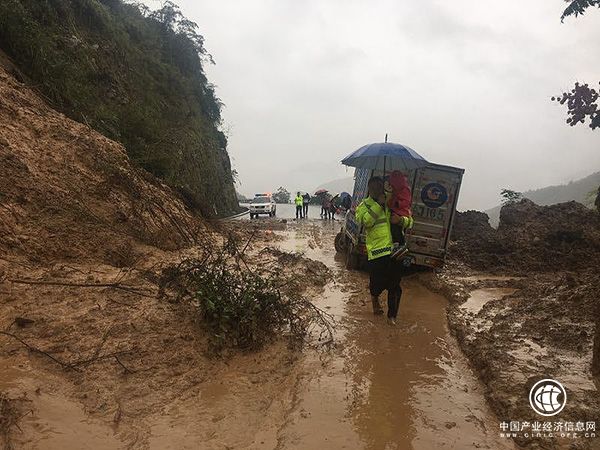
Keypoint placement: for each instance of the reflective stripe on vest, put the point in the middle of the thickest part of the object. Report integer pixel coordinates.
(381, 250)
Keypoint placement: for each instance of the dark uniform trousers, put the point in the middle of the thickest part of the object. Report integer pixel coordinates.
(385, 274)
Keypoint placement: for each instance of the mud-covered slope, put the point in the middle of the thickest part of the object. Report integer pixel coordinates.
(134, 75)
(67, 192)
(542, 323)
(565, 236)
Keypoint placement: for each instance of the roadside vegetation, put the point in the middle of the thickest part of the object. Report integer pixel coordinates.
(241, 306)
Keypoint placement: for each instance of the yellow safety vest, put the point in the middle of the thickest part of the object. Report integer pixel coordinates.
(376, 220)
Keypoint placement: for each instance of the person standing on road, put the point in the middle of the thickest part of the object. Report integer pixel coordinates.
(326, 208)
(384, 272)
(306, 201)
(333, 206)
(299, 203)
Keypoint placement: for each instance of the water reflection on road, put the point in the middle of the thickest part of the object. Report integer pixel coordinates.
(403, 387)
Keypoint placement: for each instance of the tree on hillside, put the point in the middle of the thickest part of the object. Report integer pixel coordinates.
(281, 195)
(135, 75)
(582, 103)
(510, 197)
(582, 100)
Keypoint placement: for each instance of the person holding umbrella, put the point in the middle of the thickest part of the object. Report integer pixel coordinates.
(374, 215)
(321, 193)
(384, 272)
(326, 206)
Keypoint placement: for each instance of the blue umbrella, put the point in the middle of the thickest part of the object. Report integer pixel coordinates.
(385, 156)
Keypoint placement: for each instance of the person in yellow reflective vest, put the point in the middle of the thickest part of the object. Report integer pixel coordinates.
(299, 202)
(384, 272)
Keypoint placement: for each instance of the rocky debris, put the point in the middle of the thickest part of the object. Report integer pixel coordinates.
(545, 329)
(565, 236)
(474, 242)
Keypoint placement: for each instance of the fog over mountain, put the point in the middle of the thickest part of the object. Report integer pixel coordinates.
(465, 83)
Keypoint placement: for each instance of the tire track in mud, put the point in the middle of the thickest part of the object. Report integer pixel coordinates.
(404, 387)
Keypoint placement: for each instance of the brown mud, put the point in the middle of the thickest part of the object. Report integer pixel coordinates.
(93, 354)
(382, 387)
(376, 387)
(523, 306)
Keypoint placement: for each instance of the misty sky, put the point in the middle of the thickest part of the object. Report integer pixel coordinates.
(465, 83)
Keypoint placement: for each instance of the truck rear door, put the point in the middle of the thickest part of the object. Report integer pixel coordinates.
(435, 194)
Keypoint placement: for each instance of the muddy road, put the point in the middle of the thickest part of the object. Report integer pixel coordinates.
(383, 387)
(376, 387)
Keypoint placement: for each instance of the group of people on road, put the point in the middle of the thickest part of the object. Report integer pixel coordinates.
(329, 205)
(385, 218)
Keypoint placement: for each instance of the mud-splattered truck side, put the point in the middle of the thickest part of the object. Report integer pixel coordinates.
(435, 190)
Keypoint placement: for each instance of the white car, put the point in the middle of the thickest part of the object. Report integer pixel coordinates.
(262, 205)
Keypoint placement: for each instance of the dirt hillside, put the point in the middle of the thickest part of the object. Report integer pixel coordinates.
(67, 192)
(87, 335)
(565, 236)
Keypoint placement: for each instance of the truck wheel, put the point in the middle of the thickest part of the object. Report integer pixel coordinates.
(340, 242)
(251, 216)
(351, 257)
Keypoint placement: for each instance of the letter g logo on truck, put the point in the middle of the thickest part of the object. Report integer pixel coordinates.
(434, 195)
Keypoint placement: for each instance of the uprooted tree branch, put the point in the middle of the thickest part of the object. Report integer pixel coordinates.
(241, 307)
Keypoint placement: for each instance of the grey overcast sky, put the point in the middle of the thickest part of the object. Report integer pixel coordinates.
(465, 83)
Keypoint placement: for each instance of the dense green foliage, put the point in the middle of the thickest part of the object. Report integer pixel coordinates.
(582, 104)
(509, 197)
(136, 76)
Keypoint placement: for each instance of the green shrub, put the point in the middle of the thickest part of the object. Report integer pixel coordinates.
(241, 308)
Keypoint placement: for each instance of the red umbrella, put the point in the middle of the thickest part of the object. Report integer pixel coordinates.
(321, 192)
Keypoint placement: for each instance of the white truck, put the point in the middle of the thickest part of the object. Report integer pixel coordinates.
(435, 190)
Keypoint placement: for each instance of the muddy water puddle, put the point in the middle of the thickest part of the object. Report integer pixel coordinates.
(51, 421)
(487, 277)
(383, 387)
(480, 297)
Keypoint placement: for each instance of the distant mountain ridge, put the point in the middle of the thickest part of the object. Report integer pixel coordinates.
(337, 186)
(580, 191)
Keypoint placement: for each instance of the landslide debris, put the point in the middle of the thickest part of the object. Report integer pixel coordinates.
(84, 239)
(136, 76)
(547, 326)
(565, 236)
(69, 193)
